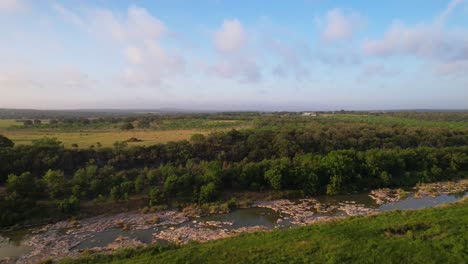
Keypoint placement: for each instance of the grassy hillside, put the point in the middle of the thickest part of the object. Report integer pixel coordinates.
(437, 235)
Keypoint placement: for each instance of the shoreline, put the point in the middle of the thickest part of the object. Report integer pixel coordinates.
(63, 238)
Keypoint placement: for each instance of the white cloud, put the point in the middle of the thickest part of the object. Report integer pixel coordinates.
(137, 24)
(68, 15)
(140, 37)
(235, 58)
(440, 20)
(451, 68)
(424, 40)
(34, 78)
(231, 37)
(420, 40)
(12, 5)
(133, 55)
(340, 26)
(150, 64)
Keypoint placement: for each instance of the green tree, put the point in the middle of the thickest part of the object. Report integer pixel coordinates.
(24, 185)
(47, 142)
(127, 126)
(155, 196)
(6, 142)
(116, 193)
(273, 177)
(170, 185)
(197, 138)
(119, 146)
(55, 183)
(208, 193)
(69, 205)
(27, 122)
(144, 123)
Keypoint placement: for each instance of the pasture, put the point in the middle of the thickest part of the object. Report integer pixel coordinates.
(85, 137)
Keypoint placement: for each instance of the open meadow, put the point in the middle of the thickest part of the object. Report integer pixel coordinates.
(107, 135)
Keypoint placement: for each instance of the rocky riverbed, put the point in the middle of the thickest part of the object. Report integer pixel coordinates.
(438, 188)
(386, 195)
(65, 238)
(61, 239)
(200, 233)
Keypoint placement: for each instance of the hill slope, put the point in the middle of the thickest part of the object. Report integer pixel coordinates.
(436, 235)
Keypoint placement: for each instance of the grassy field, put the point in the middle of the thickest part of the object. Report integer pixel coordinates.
(172, 130)
(88, 138)
(433, 235)
(5, 123)
(390, 120)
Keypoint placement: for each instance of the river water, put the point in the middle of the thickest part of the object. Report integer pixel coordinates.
(11, 246)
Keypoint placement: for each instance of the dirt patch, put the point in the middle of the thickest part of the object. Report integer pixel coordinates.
(133, 139)
(403, 230)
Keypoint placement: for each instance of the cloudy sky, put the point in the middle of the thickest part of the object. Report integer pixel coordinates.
(234, 55)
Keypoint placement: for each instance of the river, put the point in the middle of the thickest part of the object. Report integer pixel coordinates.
(13, 244)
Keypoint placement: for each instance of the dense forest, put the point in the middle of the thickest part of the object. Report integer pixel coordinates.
(310, 157)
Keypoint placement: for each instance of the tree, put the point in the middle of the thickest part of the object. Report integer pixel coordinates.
(273, 176)
(119, 146)
(47, 142)
(140, 183)
(37, 122)
(24, 185)
(170, 185)
(197, 138)
(127, 126)
(208, 193)
(27, 122)
(154, 196)
(116, 193)
(69, 205)
(144, 123)
(5, 142)
(55, 183)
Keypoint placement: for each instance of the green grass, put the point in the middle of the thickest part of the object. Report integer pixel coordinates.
(391, 120)
(6, 123)
(434, 235)
(107, 138)
(106, 135)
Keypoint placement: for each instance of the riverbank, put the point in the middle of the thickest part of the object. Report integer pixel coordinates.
(431, 235)
(110, 233)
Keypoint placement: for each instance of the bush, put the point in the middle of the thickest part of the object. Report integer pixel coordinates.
(127, 126)
(6, 142)
(69, 205)
(208, 193)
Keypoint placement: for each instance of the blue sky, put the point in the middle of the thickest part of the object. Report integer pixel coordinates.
(234, 55)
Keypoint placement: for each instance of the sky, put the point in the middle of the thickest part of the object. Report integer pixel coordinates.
(234, 55)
